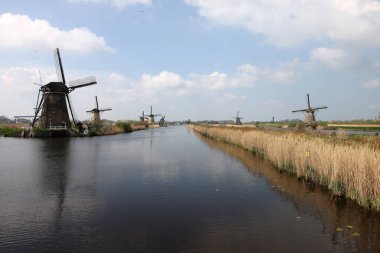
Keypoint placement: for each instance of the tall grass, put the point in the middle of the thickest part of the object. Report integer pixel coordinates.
(350, 168)
(10, 131)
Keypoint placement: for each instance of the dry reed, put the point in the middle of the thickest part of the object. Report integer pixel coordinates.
(347, 168)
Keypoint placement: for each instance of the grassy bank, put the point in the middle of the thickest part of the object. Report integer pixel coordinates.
(121, 126)
(10, 131)
(348, 166)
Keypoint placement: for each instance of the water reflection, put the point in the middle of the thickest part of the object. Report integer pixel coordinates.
(165, 190)
(343, 221)
(54, 171)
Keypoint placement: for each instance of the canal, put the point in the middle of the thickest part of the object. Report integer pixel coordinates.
(166, 190)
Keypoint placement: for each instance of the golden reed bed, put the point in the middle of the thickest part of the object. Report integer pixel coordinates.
(350, 168)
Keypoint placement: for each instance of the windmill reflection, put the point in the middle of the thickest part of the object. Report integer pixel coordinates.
(55, 171)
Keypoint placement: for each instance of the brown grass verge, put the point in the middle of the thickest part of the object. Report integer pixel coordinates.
(349, 167)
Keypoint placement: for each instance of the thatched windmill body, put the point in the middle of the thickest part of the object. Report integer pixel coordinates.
(95, 113)
(237, 119)
(51, 110)
(310, 112)
(151, 116)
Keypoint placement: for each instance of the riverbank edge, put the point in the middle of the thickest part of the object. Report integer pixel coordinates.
(18, 132)
(350, 171)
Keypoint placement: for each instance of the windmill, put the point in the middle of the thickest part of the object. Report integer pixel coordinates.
(310, 112)
(143, 118)
(237, 119)
(95, 113)
(151, 116)
(162, 121)
(52, 97)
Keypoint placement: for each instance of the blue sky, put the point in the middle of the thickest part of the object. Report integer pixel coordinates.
(196, 59)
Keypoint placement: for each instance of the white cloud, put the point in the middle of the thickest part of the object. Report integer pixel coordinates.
(373, 84)
(228, 97)
(290, 23)
(116, 78)
(244, 76)
(18, 93)
(161, 81)
(149, 86)
(20, 31)
(118, 4)
(334, 58)
(287, 72)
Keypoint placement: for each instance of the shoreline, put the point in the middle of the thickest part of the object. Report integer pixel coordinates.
(347, 166)
(17, 131)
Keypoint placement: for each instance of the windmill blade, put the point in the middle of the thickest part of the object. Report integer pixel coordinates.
(39, 73)
(319, 108)
(38, 98)
(96, 102)
(83, 82)
(59, 67)
(308, 100)
(71, 109)
(105, 109)
(304, 110)
(38, 108)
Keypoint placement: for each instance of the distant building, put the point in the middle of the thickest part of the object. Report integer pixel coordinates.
(4, 119)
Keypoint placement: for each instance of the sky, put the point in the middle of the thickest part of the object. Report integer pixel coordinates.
(196, 59)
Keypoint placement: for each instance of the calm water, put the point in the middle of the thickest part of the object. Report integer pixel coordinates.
(165, 190)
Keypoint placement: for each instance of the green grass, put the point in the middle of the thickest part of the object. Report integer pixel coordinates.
(125, 125)
(10, 132)
(355, 128)
(41, 132)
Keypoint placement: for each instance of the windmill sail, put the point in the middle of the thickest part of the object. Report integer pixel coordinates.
(59, 67)
(71, 108)
(303, 110)
(320, 107)
(79, 83)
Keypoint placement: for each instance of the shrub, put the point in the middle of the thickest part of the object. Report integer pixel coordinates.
(125, 125)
